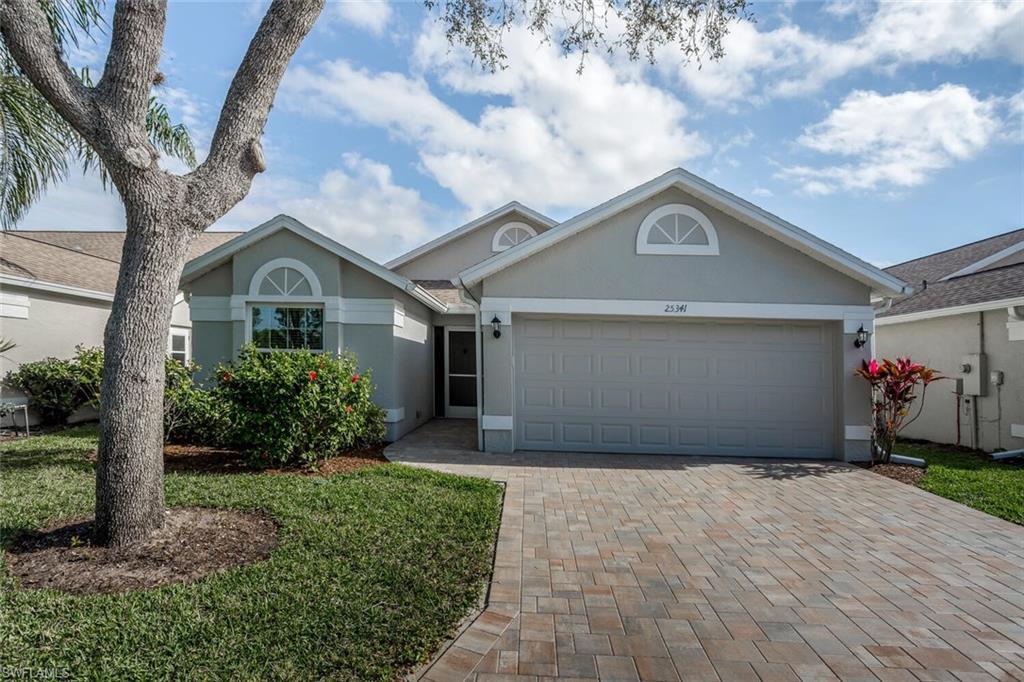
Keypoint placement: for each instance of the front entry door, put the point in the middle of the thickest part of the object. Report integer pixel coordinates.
(460, 370)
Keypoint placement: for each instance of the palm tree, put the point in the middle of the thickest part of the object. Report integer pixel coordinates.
(37, 147)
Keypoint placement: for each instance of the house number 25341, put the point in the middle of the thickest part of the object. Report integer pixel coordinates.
(675, 307)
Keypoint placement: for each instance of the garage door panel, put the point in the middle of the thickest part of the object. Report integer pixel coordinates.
(693, 387)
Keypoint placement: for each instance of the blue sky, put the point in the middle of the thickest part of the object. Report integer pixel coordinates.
(892, 130)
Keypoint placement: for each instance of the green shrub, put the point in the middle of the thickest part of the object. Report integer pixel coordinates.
(298, 407)
(191, 414)
(57, 387)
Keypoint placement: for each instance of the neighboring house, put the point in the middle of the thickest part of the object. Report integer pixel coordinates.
(674, 318)
(56, 289)
(965, 319)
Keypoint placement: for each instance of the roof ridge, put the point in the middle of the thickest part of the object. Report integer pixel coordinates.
(953, 248)
(14, 233)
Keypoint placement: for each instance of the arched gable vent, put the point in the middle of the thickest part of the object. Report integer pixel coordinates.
(285, 277)
(510, 234)
(676, 230)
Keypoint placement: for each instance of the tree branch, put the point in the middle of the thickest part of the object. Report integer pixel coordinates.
(236, 154)
(29, 40)
(135, 44)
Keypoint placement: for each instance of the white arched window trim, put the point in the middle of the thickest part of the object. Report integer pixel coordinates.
(297, 265)
(644, 247)
(497, 246)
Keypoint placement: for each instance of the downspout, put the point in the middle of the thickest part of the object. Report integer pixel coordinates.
(467, 298)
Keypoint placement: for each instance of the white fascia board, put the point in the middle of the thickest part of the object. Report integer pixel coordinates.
(13, 280)
(669, 309)
(511, 207)
(789, 234)
(987, 261)
(946, 312)
(203, 264)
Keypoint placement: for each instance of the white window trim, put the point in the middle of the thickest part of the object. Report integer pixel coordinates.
(257, 279)
(297, 302)
(180, 331)
(645, 248)
(498, 247)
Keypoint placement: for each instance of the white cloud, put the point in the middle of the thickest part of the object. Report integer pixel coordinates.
(896, 141)
(762, 192)
(369, 15)
(558, 141)
(789, 61)
(358, 204)
(79, 203)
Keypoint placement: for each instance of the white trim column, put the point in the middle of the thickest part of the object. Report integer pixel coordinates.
(855, 394)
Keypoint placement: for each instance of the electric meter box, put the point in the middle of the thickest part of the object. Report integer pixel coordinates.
(975, 374)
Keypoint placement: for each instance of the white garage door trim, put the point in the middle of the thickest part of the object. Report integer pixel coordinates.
(702, 387)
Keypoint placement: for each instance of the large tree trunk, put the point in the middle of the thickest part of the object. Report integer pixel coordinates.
(130, 470)
(164, 213)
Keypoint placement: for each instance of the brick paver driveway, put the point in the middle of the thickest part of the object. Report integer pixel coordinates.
(667, 568)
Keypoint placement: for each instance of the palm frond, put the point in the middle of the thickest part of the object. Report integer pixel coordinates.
(68, 19)
(34, 144)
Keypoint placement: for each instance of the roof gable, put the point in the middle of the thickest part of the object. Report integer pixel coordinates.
(726, 202)
(988, 273)
(948, 263)
(208, 261)
(511, 208)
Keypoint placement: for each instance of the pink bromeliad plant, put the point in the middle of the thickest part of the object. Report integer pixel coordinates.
(893, 391)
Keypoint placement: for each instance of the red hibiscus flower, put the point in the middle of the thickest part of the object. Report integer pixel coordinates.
(355, 378)
(226, 376)
(312, 375)
(348, 408)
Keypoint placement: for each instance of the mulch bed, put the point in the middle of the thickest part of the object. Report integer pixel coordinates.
(198, 459)
(904, 473)
(193, 543)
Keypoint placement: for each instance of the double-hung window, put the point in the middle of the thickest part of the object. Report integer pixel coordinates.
(287, 327)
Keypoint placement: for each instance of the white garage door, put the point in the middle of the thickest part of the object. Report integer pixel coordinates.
(759, 389)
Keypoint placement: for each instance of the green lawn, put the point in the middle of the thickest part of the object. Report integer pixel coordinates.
(373, 570)
(993, 487)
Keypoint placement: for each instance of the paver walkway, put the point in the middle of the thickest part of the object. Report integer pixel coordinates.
(667, 568)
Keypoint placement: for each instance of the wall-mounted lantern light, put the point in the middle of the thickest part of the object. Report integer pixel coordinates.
(496, 326)
(862, 338)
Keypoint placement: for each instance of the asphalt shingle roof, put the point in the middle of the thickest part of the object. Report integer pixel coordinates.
(441, 289)
(85, 259)
(989, 284)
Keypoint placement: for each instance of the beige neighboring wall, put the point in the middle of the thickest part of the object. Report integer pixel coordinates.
(54, 324)
(448, 260)
(941, 343)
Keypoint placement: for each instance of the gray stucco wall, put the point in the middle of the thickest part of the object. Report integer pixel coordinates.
(447, 261)
(286, 244)
(399, 356)
(601, 262)
(941, 343)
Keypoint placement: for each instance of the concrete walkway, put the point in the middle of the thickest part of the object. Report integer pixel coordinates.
(619, 567)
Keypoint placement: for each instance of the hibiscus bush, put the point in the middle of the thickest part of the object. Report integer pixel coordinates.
(894, 387)
(297, 407)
